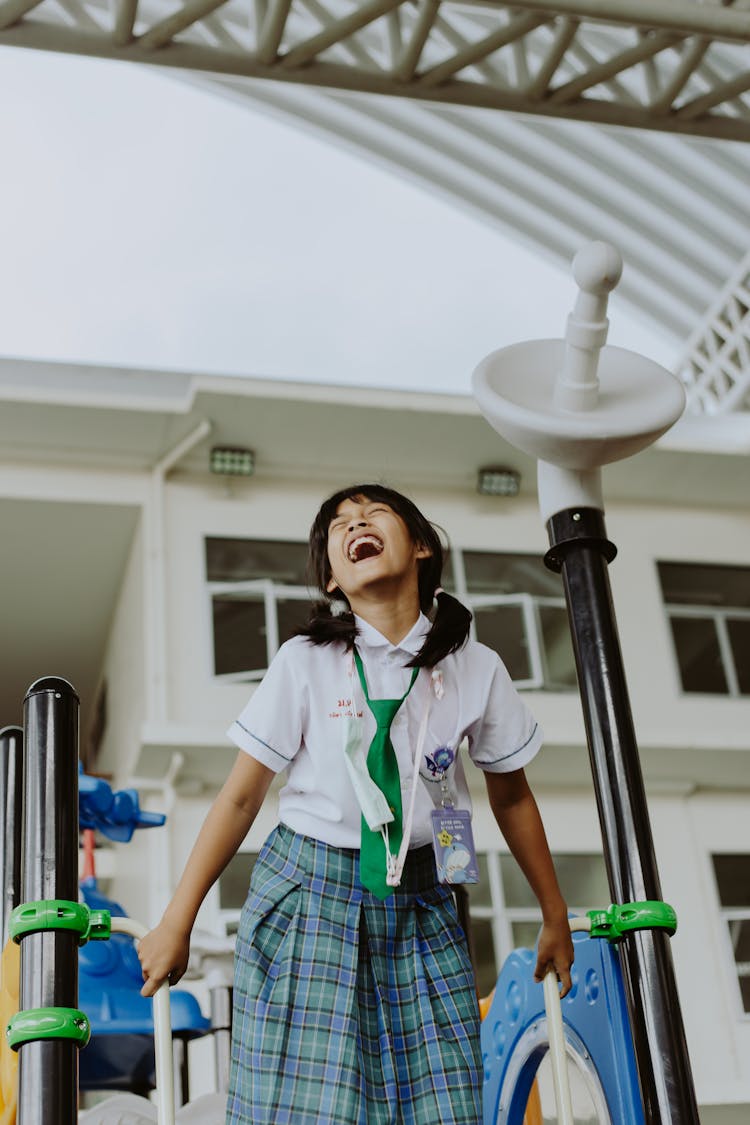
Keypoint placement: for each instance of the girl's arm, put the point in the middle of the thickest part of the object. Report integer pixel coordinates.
(517, 816)
(163, 952)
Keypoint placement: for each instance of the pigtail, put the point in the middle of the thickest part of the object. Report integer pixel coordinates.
(449, 632)
(330, 621)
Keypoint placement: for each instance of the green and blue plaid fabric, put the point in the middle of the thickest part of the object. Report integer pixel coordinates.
(349, 1010)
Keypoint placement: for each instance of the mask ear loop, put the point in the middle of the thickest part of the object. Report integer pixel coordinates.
(395, 864)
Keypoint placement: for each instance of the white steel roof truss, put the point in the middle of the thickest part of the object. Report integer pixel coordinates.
(457, 42)
(669, 65)
(632, 62)
(350, 46)
(716, 365)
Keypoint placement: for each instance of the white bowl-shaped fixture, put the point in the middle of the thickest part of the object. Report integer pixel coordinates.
(637, 401)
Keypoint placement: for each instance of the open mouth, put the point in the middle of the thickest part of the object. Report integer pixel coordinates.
(364, 547)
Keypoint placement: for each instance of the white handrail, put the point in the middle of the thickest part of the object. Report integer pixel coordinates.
(162, 1030)
(558, 1057)
(556, 1037)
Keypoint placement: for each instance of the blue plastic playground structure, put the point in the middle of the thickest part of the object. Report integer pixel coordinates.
(596, 1028)
(120, 1054)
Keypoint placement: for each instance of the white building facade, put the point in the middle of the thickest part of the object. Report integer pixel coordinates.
(161, 590)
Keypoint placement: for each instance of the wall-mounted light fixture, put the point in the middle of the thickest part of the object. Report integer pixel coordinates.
(232, 461)
(498, 480)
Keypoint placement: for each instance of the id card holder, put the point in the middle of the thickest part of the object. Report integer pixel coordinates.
(453, 844)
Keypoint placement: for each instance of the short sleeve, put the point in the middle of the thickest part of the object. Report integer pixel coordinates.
(270, 728)
(507, 736)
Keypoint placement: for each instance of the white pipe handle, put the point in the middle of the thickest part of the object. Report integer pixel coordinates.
(556, 1036)
(558, 1056)
(162, 1030)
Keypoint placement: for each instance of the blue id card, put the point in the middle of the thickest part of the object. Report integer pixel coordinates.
(453, 843)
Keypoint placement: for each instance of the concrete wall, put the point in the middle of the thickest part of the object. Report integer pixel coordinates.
(664, 716)
(123, 671)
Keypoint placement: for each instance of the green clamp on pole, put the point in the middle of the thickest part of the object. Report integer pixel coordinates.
(616, 922)
(59, 914)
(48, 1023)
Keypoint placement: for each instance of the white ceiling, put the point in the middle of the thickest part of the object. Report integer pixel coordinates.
(61, 565)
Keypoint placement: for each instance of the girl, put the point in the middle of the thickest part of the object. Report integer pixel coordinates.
(354, 997)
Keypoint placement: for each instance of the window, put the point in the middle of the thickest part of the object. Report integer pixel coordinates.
(233, 886)
(519, 610)
(709, 614)
(733, 883)
(505, 915)
(259, 596)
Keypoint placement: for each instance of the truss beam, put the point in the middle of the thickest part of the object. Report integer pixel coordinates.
(679, 66)
(716, 365)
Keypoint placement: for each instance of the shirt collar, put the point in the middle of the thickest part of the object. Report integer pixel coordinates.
(368, 635)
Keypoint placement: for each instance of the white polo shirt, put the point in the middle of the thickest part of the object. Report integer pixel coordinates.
(294, 722)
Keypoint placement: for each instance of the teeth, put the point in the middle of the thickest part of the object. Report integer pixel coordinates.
(357, 544)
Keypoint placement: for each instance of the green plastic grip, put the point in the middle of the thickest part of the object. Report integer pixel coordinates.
(48, 1023)
(616, 922)
(59, 914)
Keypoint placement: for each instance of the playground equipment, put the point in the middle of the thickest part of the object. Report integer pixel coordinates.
(120, 1054)
(576, 405)
(523, 1022)
(44, 1024)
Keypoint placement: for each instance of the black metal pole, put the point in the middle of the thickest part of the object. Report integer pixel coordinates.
(48, 1069)
(11, 805)
(580, 550)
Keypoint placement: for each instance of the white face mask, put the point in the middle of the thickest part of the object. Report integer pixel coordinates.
(370, 798)
(372, 802)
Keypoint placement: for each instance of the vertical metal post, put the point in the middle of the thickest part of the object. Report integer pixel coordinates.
(48, 1069)
(580, 550)
(220, 997)
(181, 1071)
(11, 805)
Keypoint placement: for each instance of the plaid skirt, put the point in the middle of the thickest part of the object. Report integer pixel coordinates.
(349, 1010)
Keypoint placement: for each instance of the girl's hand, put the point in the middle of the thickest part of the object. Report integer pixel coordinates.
(555, 951)
(163, 954)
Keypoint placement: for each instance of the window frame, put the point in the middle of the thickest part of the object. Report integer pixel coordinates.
(270, 591)
(529, 604)
(719, 615)
(727, 915)
(503, 916)
(227, 916)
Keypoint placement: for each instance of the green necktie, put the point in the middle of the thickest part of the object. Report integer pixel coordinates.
(382, 766)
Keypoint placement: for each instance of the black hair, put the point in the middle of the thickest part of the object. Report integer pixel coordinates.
(450, 625)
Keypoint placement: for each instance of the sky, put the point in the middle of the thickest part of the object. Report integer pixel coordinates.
(148, 223)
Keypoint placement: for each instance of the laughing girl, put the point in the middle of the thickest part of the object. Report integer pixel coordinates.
(354, 1000)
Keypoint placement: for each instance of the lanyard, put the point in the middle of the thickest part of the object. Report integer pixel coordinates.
(353, 745)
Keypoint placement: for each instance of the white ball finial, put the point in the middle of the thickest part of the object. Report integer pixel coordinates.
(597, 268)
(543, 396)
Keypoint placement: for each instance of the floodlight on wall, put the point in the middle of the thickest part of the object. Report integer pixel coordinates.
(498, 480)
(232, 461)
